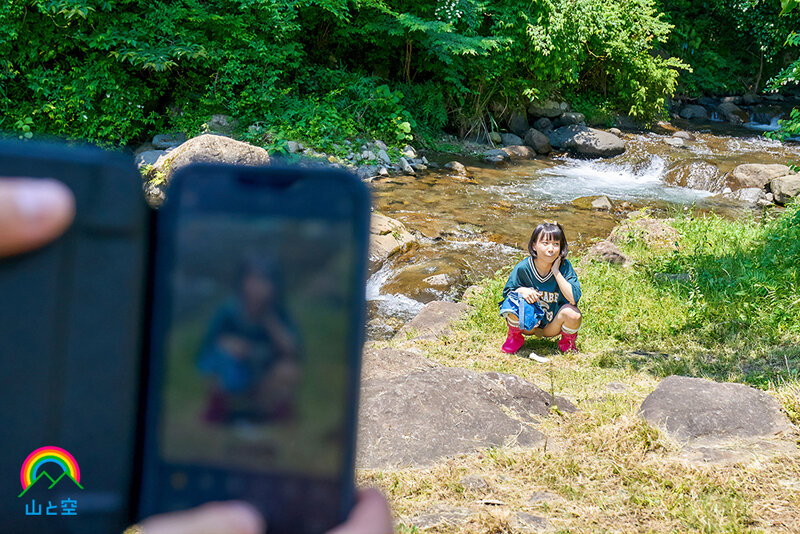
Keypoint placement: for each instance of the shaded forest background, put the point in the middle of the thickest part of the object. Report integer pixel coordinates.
(321, 71)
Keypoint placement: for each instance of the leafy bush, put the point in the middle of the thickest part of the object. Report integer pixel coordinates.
(114, 71)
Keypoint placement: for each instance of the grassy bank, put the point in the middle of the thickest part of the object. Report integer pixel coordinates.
(723, 305)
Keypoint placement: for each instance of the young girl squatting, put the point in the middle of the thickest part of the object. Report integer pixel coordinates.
(546, 277)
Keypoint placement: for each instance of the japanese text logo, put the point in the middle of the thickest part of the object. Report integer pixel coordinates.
(50, 468)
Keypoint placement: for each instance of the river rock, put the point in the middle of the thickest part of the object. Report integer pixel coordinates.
(602, 203)
(548, 108)
(733, 113)
(509, 139)
(538, 141)
(571, 117)
(433, 321)
(615, 131)
(368, 172)
(388, 362)
(456, 167)
(755, 175)
(608, 252)
(387, 237)
(519, 152)
(587, 141)
(676, 142)
(422, 417)
(686, 136)
(169, 140)
(518, 123)
(693, 111)
(496, 156)
(655, 233)
(748, 195)
(495, 138)
(209, 148)
(785, 188)
(544, 125)
(405, 167)
(221, 125)
(708, 101)
(384, 157)
(750, 99)
(689, 409)
(148, 158)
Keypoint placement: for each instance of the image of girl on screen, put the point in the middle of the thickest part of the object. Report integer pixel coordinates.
(250, 354)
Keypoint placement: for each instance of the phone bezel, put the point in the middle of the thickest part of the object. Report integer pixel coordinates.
(233, 199)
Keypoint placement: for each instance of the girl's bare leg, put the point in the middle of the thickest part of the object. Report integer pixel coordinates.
(567, 315)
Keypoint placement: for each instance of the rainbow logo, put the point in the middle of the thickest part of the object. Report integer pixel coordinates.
(32, 466)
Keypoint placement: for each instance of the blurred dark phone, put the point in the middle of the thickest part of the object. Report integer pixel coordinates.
(71, 316)
(257, 328)
(255, 302)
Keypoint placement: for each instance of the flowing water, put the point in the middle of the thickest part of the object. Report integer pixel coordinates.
(469, 227)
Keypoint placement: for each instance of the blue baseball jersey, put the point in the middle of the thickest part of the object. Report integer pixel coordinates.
(551, 299)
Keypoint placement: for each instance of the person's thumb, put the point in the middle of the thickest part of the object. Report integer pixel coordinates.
(32, 213)
(231, 517)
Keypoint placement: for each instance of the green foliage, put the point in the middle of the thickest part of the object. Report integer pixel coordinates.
(733, 46)
(114, 71)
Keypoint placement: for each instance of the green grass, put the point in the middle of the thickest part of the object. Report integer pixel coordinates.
(731, 319)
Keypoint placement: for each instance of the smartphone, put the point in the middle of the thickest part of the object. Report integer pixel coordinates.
(71, 317)
(257, 325)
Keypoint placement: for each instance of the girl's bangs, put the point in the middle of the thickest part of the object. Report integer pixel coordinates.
(550, 235)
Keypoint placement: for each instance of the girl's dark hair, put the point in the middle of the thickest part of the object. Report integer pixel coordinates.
(552, 230)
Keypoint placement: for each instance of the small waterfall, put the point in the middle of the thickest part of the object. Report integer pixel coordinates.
(642, 180)
(395, 305)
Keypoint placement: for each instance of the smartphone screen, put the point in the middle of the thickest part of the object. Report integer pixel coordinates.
(259, 311)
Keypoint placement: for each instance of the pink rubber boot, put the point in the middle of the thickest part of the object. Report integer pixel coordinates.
(514, 340)
(567, 342)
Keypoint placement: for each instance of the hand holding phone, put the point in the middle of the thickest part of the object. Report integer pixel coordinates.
(21, 233)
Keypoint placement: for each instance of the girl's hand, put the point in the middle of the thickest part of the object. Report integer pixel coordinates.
(529, 294)
(556, 265)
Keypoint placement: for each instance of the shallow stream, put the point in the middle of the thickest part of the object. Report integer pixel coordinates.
(469, 227)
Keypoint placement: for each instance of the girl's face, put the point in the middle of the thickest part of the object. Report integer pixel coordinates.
(547, 248)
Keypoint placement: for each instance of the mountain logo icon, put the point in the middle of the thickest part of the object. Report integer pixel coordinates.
(44, 478)
(33, 471)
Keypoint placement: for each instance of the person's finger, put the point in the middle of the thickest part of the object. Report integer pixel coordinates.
(32, 213)
(231, 517)
(371, 515)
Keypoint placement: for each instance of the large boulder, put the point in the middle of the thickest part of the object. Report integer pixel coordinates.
(518, 152)
(419, 418)
(656, 233)
(755, 175)
(387, 237)
(510, 139)
(208, 148)
(548, 108)
(388, 362)
(733, 113)
(690, 409)
(785, 188)
(571, 117)
(606, 251)
(693, 111)
(538, 141)
(748, 195)
(518, 123)
(432, 321)
(586, 141)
